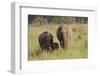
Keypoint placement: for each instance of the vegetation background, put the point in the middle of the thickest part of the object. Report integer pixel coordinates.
(78, 44)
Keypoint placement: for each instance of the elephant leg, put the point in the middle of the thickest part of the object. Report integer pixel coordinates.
(47, 48)
(60, 43)
(63, 44)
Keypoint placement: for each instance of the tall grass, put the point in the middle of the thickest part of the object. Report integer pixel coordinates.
(77, 47)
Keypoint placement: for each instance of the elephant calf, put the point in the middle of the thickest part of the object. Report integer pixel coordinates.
(55, 46)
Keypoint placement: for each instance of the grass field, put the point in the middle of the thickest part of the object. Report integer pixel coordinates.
(77, 47)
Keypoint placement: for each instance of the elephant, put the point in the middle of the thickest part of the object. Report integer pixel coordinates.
(45, 40)
(55, 45)
(63, 35)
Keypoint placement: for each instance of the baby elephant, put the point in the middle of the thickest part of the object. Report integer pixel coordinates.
(54, 46)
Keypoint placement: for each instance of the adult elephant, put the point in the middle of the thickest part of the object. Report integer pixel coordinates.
(63, 35)
(45, 40)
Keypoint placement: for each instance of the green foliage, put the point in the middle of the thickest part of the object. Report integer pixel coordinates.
(39, 20)
(55, 20)
(64, 19)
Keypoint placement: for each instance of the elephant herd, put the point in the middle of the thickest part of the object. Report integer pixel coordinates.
(46, 39)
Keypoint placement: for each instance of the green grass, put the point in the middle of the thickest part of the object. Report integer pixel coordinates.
(77, 47)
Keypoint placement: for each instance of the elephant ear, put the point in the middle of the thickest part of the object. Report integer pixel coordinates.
(69, 33)
(49, 36)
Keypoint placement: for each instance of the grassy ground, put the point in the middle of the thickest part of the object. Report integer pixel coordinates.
(77, 48)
